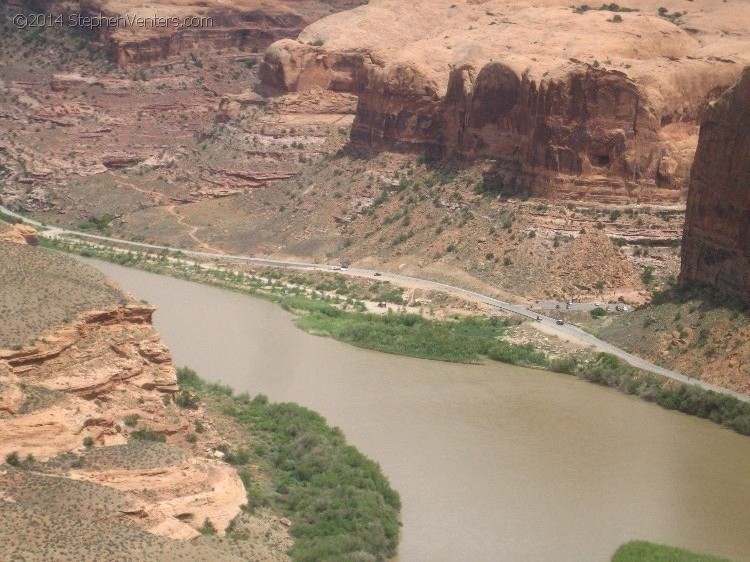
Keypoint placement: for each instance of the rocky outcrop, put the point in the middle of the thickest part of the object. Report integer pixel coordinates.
(155, 31)
(566, 103)
(95, 382)
(716, 241)
(113, 356)
(20, 234)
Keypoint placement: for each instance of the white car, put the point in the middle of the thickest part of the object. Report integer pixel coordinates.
(335, 268)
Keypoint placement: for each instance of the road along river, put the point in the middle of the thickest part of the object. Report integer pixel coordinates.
(493, 462)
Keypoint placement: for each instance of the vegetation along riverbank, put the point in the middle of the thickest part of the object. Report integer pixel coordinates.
(459, 339)
(342, 506)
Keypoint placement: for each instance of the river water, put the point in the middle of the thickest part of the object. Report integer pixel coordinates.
(493, 462)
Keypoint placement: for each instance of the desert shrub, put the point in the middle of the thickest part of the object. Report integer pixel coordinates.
(148, 434)
(608, 370)
(341, 505)
(598, 312)
(131, 420)
(88, 442)
(186, 399)
(208, 528)
(647, 276)
(517, 354)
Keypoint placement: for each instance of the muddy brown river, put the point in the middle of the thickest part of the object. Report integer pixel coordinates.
(493, 462)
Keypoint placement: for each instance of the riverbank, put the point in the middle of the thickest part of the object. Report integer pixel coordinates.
(469, 339)
(640, 551)
(338, 501)
(475, 447)
(91, 405)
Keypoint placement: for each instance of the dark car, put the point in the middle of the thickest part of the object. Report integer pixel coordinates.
(560, 322)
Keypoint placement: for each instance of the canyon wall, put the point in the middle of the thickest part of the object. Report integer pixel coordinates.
(86, 388)
(566, 104)
(150, 32)
(716, 241)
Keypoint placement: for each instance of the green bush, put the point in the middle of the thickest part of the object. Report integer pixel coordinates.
(598, 312)
(148, 434)
(464, 340)
(186, 399)
(640, 551)
(208, 528)
(341, 505)
(608, 370)
(517, 354)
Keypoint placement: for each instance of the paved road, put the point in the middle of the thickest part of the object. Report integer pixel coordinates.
(422, 283)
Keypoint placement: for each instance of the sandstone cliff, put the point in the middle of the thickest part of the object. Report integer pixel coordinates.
(716, 241)
(194, 26)
(566, 103)
(97, 381)
(20, 234)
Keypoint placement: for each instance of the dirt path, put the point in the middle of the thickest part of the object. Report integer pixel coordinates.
(166, 203)
(171, 209)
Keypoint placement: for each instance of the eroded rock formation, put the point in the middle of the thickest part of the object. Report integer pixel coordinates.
(566, 103)
(81, 384)
(716, 241)
(147, 32)
(20, 234)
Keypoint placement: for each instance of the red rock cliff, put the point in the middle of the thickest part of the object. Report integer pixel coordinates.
(567, 104)
(716, 241)
(147, 32)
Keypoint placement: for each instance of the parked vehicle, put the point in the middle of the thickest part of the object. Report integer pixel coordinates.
(560, 322)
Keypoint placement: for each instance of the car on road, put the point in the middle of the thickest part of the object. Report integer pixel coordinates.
(335, 268)
(560, 322)
(378, 274)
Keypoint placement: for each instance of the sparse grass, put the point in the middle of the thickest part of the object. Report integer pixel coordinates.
(55, 518)
(42, 289)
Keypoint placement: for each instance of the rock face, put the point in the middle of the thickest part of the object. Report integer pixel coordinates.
(83, 383)
(20, 234)
(155, 31)
(104, 355)
(716, 241)
(566, 103)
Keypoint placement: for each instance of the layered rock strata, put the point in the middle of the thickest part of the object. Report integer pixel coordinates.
(95, 382)
(155, 31)
(592, 104)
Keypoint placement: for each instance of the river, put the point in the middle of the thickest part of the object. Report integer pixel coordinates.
(493, 462)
